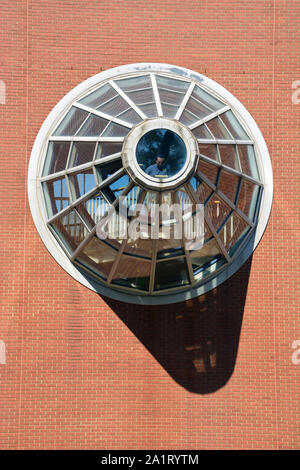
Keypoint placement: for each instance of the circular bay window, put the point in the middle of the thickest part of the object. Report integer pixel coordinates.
(146, 136)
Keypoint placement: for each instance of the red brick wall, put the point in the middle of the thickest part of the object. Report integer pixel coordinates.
(86, 372)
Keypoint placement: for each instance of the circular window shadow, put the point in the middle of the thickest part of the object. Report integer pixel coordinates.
(161, 153)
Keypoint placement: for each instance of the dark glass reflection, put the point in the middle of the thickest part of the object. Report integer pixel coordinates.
(161, 153)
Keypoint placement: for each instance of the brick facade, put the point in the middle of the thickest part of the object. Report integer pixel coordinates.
(86, 372)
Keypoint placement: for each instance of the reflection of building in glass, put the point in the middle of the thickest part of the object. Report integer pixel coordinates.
(83, 172)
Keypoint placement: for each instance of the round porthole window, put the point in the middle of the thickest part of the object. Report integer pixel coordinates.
(150, 183)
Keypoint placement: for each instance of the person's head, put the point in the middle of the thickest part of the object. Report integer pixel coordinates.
(160, 161)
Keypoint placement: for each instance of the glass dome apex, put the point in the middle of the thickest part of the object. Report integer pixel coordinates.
(80, 168)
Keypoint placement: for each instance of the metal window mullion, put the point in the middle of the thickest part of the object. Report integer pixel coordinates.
(224, 141)
(116, 262)
(185, 100)
(194, 196)
(80, 127)
(109, 158)
(128, 100)
(209, 118)
(230, 170)
(156, 95)
(183, 241)
(202, 103)
(105, 116)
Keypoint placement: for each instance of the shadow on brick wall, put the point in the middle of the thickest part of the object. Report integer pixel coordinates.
(195, 341)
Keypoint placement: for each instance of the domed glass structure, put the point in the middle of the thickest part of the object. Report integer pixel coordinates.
(128, 142)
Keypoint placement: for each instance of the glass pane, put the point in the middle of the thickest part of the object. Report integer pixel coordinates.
(100, 96)
(71, 123)
(207, 99)
(203, 192)
(93, 209)
(197, 108)
(168, 243)
(149, 109)
(248, 197)
(233, 232)
(130, 116)
(204, 259)
(98, 256)
(169, 110)
(115, 130)
(56, 159)
(202, 132)
(171, 273)
(70, 230)
(114, 107)
(248, 161)
(209, 170)
(82, 152)
(217, 129)
(233, 125)
(93, 126)
(188, 118)
(132, 272)
(228, 184)
(172, 84)
(135, 83)
(139, 247)
(209, 150)
(228, 156)
(81, 183)
(217, 210)
(56, 195)
(140, 97)
(107, 148)
(106, 170)
(114, 190)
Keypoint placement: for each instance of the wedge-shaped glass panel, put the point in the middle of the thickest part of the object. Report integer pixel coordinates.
(71, 122)
(139, 247)
(70, 230)
(248, 198)
(233, 232)
(207, 99)
(130, 85)
(106, 170)
(114, 107)
(171, 93)
(171, 273)
(132, 272)
(106, 149)
(56, 158)
(82, 152)
(99, 96)
(130, 116)
(228, 184)
(56, 195)
(188, 118)
(149, 109)
(93, 209)
(170, 242)
(81, 183)
(228, 156)
(217, 129)
(217, 210)
(248, 161)
(97, 256)
(209, 150)
(93, 127)
(205, 258)
(209, 170)
(112, 191)
(115, 130)
(202, 132)
(203, 192)
(233, 125)
(172, 84)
